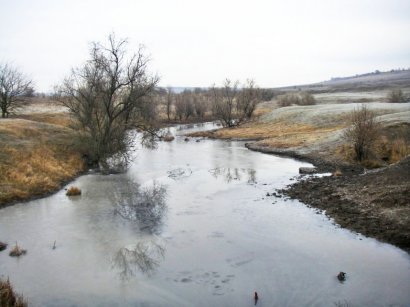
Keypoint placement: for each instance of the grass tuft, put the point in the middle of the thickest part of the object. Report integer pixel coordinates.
(8, 298)
(17, 251)
(73, 191)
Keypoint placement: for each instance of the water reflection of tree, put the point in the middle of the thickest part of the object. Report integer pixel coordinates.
(145, 205)
(144, 257)
(230, 174)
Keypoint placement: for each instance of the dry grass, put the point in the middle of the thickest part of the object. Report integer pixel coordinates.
(59, 119)
(8, 298)
(73, 191)
(17, 251)
(278, 135)
(399, 150)
(35, 160)
(385, 151)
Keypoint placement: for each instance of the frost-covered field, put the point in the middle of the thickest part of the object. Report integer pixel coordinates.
(334, 114)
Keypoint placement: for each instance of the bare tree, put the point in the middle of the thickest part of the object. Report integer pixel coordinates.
(224, 102)
(233, 106)
(248, 99)
(109, 95)
(200, 104)
(168, 102)
(363, 132)
(188, 105)
(13, 87)
(179, 106)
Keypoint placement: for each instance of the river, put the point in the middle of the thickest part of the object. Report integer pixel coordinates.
(190, 224)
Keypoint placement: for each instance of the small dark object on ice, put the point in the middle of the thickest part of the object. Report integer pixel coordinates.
(186, 139)
(17, 251)
(341, 276)
(256, 297)
(54, 245)
(3, 246)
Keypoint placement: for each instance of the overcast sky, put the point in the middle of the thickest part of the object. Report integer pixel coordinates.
(197, 43)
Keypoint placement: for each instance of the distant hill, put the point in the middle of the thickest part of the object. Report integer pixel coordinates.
(369, 81)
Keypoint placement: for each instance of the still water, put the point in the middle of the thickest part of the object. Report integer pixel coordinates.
(189, 224)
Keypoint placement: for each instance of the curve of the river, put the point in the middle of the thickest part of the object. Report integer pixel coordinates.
(189, 224)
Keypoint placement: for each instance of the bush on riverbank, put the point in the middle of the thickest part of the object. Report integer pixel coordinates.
(8, 298)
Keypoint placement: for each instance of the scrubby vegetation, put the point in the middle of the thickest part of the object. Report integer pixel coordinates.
(396, 95)
(363, 132)
(73, 191)
(301, 98)
(8, 297)
(17, 251)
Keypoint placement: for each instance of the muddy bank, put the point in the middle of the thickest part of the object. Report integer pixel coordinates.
(375, 204)
(324, 164)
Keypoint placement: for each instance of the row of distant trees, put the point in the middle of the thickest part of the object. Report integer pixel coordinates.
(232, 103)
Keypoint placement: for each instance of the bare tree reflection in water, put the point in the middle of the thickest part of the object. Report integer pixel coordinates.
(145, 205)
(144, 257)
(230, 174)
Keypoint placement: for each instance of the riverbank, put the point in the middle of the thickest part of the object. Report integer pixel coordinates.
(37, 156)
(375, 204)
(37, 153)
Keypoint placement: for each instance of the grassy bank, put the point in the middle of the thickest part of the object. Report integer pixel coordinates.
(318, 131)
(36, 156)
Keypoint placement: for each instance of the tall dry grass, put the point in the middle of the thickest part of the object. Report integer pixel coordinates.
(35, 171)
(35, 158)
(8, 297)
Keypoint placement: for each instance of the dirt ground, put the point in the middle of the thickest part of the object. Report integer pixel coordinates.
(376, 203)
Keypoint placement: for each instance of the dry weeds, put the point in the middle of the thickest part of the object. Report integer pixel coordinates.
(8, 298)
(17, 251)
(73, 191)
(35, 160)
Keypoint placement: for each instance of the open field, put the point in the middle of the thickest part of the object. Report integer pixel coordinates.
(36, 155)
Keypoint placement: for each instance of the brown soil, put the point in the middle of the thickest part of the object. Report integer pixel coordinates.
(376, 203)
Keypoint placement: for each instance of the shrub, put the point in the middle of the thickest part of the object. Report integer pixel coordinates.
(73, 191)
(363, 132)
(288, 99)
(396, 95)
(399, 150)
(8, 297)
(307, 99)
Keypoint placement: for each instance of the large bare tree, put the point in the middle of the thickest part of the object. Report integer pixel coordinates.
(108, 96)
(13, 88)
